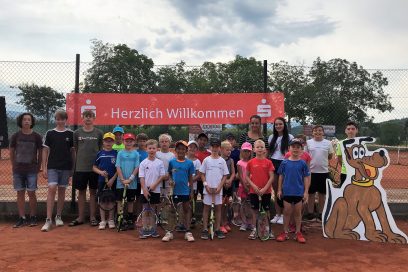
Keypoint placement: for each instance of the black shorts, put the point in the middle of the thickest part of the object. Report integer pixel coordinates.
(266, 201)
(318, 183)
(154, 198)
(81, 180)
(292, 199)
(130, 194)
(227, 192)
(138, 189)
(235, 185)
(181, 198)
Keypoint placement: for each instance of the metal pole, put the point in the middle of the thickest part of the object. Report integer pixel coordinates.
(76, 90)
(265, 90)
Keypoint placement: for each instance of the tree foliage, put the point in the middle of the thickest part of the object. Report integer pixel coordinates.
(41, 101)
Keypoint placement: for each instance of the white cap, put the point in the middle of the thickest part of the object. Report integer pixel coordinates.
(192, 142)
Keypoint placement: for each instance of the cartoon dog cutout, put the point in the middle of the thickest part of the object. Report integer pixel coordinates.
(359, 209)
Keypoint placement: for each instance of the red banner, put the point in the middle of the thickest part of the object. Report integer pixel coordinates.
(174, 109)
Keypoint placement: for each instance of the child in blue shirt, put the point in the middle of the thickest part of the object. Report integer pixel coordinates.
(105, 167)
(181, 172)
(293, 188)
(127, 166)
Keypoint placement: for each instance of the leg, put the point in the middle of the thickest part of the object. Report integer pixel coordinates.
(187, 213)
(32, 198)
(81, 205)
(311, 203)
(103, 215)
(21, 203)
(322, 199)
(297, 214)
(287, 213)
(218, 216)
(206, 210)
(52, 189)
(92, 203)
(61, 199)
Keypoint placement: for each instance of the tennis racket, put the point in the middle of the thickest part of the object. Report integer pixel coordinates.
(146, 221)
(234, 213)
(168, 216)
(212, 216)
(107, 198)
(262, 223)
(122, 208)
(246, 213)
(334, 175)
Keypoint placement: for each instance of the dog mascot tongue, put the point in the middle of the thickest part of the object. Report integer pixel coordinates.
(359, 210)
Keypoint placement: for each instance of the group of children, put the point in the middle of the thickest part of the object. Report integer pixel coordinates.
(147, 167)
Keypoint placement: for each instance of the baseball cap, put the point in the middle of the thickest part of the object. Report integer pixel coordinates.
(202, 135)
(181, 142)
(246, 146)
(118, 129)
(230, 136)
(129, 136)
(192, 142)
(296, 141)
(109, 135)
(215, 142)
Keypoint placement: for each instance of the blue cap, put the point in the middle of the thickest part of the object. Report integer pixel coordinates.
(118, 129)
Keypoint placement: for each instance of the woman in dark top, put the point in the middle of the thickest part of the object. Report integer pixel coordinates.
(254, 133)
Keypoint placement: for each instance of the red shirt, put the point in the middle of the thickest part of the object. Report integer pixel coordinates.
(259, 172)
(305, 156)
(201, 155)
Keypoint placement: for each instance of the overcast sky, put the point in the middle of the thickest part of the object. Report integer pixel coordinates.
(371, 32)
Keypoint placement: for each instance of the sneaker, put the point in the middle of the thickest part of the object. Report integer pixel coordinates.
(124, 226)
(47, 225)
(299, 237)
(271, 236)
(282, 237)
(20, 223)
(223, 229)
(280, 220)
(219, 234)
(142, 236)
(243, 227)
(33, 221)
(155, 234)
(145, 233)
(204, 234)
(227, 227)
(102, 225)
(58, 221)
(252, 235)
(167, 237)
(189, 236)
(181, 228)
(275, 219)
(130, 224)
(250, 227)
(111, 224)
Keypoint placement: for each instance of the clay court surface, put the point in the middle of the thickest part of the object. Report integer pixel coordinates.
(85, 248)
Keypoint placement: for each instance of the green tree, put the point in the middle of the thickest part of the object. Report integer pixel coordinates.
(391, 133)
(41, 101)
(345, 91)
(172, 79)
(119, 69)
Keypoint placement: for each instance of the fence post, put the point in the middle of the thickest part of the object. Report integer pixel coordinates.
(265, 90)
(76, 90)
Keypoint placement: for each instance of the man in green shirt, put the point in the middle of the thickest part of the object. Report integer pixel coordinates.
(351, 132)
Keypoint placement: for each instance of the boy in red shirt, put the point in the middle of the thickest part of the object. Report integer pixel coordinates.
(260, 177)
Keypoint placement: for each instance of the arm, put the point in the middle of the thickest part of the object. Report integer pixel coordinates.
(205, 183)
(12, 157)
(280, 181)
(306, 181)
(39, 155)
(156, 183)
(251, 184)
(45, 153)
(268, 184)
(73, 157)
(242, 179)
(121, 177)
(112, 180)
(219, 188)
(146, 192)
(190, 184)
(232, 177)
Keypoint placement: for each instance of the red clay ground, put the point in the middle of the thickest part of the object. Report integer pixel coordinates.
(84, 248)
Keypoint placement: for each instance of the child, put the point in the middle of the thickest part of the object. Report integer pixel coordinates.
(58, 157)
(214, 172)
(192, 149)
(105, 167)
(151, 174)
(118, 132)
(25, 157)
(351, 132)
(165, 155)
(141, 140)
(127, 166)
(227, 189)
(201, 154)
(293, 187)
(260, 177)
(235, 155)
(321, 151)
(181, 172)
(243, 189)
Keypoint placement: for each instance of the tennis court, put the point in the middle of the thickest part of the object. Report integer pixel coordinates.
(84, 248)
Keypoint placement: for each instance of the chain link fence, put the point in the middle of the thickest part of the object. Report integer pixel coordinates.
(60, 76)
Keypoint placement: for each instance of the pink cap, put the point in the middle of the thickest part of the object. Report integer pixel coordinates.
(246, 146)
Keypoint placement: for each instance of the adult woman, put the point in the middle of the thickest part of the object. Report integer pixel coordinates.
(254, 133)
(278, 146)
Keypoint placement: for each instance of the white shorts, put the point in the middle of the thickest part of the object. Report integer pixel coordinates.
(208, 199)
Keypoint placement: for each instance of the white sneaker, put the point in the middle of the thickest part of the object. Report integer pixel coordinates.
(111, 224)
(102, 225)
(275, 219)
(47, 225)
(280, 220)
(243, 227)
(189, 237)
(58, 221)
(168, 237)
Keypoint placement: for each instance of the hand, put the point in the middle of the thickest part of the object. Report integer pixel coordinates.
(262, 191)
(217, 191)
(208, 190)
(126, 181)
(257, 191)
(279, 194)
(104, 174)
(45, 173)
(110, 182)
(305, 197)
(146, 194)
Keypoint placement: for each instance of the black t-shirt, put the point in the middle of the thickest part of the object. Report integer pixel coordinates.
(27, 149)
(59, 144)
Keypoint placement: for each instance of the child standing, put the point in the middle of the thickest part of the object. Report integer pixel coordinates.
(243, 189)
(293, 187)
(151, 174)
(192, 149)
(141, 140)
(118, 132)
(165, 155)
(214, 172)
(201, 154)
(58, 158)
(351, 132)
(226, 148)
(127, 166)
(181, 172)
(105, 167)
(321, 151)
(260, 177)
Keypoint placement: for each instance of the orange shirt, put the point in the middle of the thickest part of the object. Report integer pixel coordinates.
(259, 172)
(201, 155)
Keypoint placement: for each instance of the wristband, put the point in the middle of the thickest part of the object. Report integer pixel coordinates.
(205, 183)
(132, 177)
